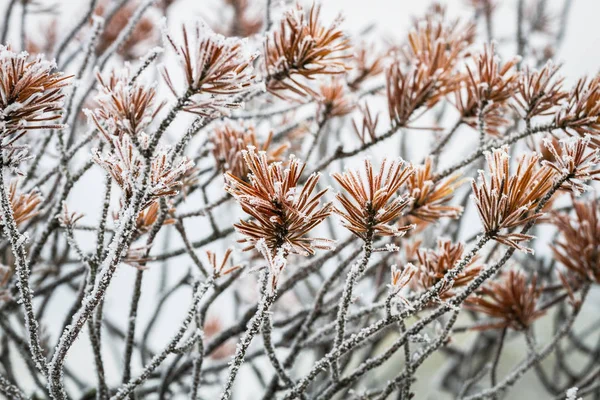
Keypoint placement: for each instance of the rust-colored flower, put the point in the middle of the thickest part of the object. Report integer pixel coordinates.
(581, 113)
(124, 107)
(430, 198)
(302, 49)
(334, 100)
(283, 212)
(577, 160)
(434, 264)
(508, 200)
(214, 68)
(511, 299)
(578, 247)
(145, 34)
(538, 93)
(483, 94)
(230, 140)
(24, 205)
(369, 201)
(125, 164)
(31, 94)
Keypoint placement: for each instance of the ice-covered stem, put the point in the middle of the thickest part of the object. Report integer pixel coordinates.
(355, 273)
(265, 303)
(524, 366)
(22, 271)
(10, 390)
(172, 347)
(121, 241)
(267, 328)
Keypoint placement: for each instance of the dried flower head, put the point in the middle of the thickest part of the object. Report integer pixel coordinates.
(124, 107)
(215, 68)
(31, 94)
(576, 160)
(578, 247)
(334, 100)
(230, 140)
(145, 34)
(485, 89)
(580, 115)
(511, 299)
(370, 204)
(434, 264)
(125, 165)
(430, 198)
(302, 49)
(24, 205)
(283, 212)
(221, 268)
(539, 92)
(508, 200)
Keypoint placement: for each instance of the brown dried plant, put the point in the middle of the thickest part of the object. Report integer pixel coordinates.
(539, 92)
(215, 68)
(302, 49)
(24, 206)
(580, 115)
(367, 63)
(485, 90)
(508, 200)
(31, 94)
(434, 264)
(430, 198)
(148, 217)
(334, 99)
(369, 201)
(578, 247)
(221, 268)
(123, 106)
(367, 131)
(230, 140)
(511, 299)
(283, 212)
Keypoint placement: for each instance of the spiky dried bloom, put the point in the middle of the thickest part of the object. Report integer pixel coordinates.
(31, 94)
(430, 198)
(334, 100)
(230, 140)
(24, 205)
(215, 68)
(149, 216)
(283, 212)
(302, 49)
(123, 107)
(145, 34)
(485, 89)
(575, 159)
(435, 263)
(125, 164)
(578, 246)
(508, 200)
(221, 268)
(580, 115)
(369, 201)
(539, 92)
(368, 125)
(511, 299)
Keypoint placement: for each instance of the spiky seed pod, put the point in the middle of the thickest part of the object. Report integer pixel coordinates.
(434, 264)
(578, 247)
(230, 140)
(283, 212)
(430, 198)
(302, 49)
(508, 200)
(31, 94)
(511, 299)
(369, 201)
(215, 68)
